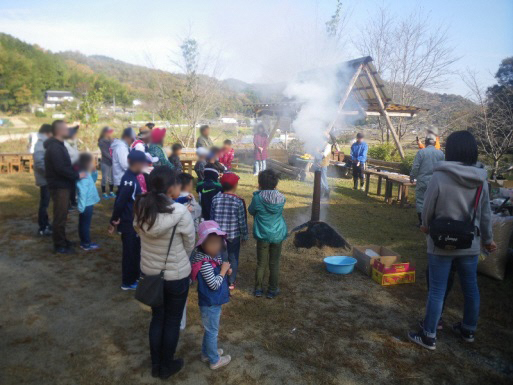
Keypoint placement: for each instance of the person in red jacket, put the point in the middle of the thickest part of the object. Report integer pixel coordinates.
(227, 154)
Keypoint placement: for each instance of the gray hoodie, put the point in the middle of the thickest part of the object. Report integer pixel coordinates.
(39, 160)
(120, 152)
(450, 194)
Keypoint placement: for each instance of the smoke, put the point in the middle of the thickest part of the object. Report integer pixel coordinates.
(320, 91)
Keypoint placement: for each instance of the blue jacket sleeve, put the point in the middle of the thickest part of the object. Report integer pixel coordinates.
(363, 155)
(353, 153)
(82, 194)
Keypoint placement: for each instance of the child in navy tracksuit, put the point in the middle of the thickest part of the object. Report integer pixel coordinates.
(123, 218)
(210, 271)
(207, 189)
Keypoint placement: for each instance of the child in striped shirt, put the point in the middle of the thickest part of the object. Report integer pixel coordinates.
(229, 210)
(210, 271)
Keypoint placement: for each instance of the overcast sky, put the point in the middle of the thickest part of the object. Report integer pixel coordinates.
(255, 38)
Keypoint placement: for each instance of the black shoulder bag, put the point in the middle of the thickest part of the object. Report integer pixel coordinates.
(450, 234)
(150, 290)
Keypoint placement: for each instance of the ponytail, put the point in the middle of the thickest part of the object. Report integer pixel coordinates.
(155, 201)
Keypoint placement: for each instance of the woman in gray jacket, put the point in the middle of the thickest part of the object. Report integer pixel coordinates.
(157, 219)
(450, 195)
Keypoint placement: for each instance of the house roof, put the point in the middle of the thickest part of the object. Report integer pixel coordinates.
(58, 93)
(361, 99)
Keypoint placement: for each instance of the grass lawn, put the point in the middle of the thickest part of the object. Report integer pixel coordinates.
(64, 319)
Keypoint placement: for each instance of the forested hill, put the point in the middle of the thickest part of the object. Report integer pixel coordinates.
(27, 71)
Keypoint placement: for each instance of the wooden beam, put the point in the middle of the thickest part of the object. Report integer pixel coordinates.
(384, 113)
(343, 101)
(275, 128)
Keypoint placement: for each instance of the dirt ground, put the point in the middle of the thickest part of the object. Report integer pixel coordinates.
(64, 319)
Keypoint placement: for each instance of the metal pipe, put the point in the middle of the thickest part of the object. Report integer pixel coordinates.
(316, 201)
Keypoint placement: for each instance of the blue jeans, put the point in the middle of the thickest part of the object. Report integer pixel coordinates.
(439, 271)
(260, 165)
(233, 250)
(84, 225)
(210, 316)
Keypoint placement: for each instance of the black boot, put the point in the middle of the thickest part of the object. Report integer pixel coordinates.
(420, 219)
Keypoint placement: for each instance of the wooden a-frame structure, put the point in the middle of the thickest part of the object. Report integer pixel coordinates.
(362, 92)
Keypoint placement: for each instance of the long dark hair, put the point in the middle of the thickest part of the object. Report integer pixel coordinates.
(103, 132)
(461, 146)
(155, 201)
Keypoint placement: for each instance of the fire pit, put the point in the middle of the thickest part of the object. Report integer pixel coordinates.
(317, 233)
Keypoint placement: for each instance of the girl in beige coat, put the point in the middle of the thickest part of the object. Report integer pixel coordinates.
(156, 217)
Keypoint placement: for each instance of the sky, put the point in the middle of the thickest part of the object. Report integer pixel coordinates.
(254, 41)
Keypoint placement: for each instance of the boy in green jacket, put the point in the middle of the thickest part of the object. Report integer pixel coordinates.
(269, 229)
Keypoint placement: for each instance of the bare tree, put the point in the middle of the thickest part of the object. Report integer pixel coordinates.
(491, 121)
(409, 53)
(201, 89)
(190, 96)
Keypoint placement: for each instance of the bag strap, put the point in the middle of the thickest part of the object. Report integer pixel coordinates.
(169, 248)
(476, 203)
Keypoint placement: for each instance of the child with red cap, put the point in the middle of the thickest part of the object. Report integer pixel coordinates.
(156, 150)
(229, 210)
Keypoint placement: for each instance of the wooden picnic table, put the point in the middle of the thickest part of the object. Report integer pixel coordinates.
(187, 165)
(16, 162)
(403, 184)
(380, 174)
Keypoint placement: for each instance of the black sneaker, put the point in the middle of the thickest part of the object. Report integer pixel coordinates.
(465, 334)
(176, 366)
(440, 325)
(421, 339)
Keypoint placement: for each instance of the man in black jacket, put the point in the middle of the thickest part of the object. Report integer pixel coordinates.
(61, 177)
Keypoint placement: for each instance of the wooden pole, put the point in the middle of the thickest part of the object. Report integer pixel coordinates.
(343, 101)
(384, 112)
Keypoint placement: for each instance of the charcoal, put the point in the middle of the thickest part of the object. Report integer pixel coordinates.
(319, 234)
(305, 239)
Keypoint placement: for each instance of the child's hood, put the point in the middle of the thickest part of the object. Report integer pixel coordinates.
(272, 200)
(118, 143)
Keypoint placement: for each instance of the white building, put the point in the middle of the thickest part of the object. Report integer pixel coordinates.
(54, 98)
(228, 121)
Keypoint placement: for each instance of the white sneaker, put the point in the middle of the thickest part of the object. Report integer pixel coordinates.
(223, 361)
(204, 358)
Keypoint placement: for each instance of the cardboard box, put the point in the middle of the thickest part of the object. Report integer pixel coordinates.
(392, 274)
(364, 262)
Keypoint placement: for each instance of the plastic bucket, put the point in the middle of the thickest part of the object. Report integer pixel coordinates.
(340, 264)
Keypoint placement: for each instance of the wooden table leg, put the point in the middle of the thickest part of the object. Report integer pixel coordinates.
(387, 190)
(367, 183)
(404, 200)
(399, 192)
(380, 179)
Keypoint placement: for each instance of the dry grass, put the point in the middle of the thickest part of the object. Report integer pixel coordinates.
(64, 319)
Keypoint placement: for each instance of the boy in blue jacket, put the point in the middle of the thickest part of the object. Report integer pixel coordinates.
(210, 271)
(359, 151)
(87, 198)
(123, 218)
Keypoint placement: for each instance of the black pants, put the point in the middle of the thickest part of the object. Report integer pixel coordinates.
(450, 282)
(44, 201)
(358, 174)
(165, 324)
(60, 199)
(130, 264)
